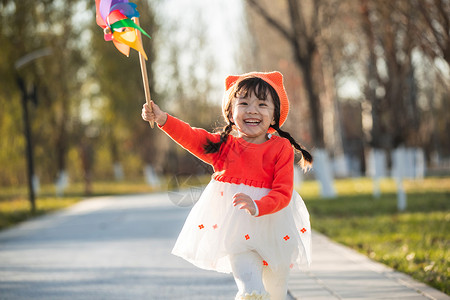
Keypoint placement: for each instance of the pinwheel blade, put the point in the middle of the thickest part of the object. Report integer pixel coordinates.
(128, 9)
(130, 38)
(124, 49)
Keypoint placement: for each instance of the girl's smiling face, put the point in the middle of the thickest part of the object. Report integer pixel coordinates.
(252, 116)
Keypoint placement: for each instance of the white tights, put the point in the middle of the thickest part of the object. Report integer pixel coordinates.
(251, 276)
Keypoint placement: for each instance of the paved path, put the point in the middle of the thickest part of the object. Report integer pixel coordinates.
(119, 248)
(338, 272)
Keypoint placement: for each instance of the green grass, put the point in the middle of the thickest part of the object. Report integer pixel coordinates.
(16, 210)
(15, 206)
(415, 241)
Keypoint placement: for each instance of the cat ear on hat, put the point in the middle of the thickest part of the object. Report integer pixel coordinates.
(276, 77)
(230, 80)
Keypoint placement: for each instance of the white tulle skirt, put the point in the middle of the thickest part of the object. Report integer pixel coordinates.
(215, 229)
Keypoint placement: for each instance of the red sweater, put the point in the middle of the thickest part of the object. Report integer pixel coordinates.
(267, 165)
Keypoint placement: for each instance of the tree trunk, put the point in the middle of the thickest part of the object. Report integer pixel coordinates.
(314, 104)
(304, 49)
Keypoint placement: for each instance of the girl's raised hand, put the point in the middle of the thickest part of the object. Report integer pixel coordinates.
(245, 202)
(153, 115)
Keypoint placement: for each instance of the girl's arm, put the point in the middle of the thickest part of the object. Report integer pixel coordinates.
(191, 139)
(283, 183)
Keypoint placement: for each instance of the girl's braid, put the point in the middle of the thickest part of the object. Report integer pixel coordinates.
(211, 147)
(306, 161)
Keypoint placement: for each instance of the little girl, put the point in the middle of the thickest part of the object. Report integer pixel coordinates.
(248, 221)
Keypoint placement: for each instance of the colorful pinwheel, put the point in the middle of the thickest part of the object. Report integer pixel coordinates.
(120, 22)
(114, 16)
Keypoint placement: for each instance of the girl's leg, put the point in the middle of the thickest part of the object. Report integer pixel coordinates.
(276, 282)
(247, 271)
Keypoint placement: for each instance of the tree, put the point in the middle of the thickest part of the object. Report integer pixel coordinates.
(435, 40)
(188, 88)
(301, 33)
(390, 29)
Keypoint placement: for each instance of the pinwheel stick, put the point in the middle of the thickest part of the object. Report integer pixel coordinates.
(144, 72)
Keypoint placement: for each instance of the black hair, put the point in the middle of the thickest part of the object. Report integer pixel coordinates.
(261, 88)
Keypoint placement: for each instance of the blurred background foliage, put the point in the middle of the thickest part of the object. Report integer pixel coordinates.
(87, 116)
(360, 74)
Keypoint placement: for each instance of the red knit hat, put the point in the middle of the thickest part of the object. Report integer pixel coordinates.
(275, 79)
